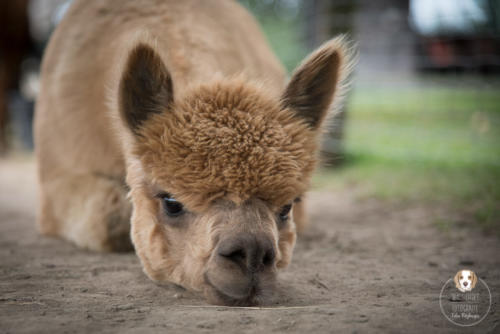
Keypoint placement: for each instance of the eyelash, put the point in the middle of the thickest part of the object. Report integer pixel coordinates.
(171, 206)
(284, 214)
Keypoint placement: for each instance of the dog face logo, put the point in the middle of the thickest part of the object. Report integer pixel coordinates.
(465, 280)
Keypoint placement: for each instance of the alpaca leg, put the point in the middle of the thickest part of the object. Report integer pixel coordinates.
(92, 211)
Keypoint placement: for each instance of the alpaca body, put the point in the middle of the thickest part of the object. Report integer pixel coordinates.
(169, 124)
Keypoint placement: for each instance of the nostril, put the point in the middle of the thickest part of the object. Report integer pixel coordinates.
(237, 256)
(268, 258)
(233, 252)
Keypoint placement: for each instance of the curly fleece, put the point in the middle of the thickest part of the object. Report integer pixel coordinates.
(227, 139)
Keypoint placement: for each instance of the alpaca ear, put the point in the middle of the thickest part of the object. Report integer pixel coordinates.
(145, 87)
(313, 84)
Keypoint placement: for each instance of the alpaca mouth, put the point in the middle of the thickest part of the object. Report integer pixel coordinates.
(216, 296)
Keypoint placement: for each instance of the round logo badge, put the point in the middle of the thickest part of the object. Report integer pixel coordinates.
(465, 300)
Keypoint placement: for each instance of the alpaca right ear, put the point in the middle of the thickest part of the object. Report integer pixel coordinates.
(145, 87)
(316, 82)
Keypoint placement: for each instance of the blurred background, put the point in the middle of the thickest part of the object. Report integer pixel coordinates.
(421, 122)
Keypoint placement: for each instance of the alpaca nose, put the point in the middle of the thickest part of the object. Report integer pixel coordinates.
(465, 283)
(252, 252)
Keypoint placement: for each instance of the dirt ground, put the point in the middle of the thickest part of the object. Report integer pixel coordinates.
(364, 266)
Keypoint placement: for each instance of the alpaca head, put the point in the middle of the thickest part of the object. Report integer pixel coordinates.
(215, 173)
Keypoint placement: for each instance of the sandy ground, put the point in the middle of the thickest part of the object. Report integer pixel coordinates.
(364, 266)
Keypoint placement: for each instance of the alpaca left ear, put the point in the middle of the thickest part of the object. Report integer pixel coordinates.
(145, 87)
(313, 85)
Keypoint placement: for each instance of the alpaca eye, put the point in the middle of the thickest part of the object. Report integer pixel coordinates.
(284, 213)
(461, 277)
(172, 207)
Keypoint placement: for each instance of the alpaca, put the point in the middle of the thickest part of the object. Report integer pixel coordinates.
(169, 127)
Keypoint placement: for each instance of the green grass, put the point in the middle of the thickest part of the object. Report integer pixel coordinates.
(437, 127)
(285, 39)
(432, 144)
(285, 34)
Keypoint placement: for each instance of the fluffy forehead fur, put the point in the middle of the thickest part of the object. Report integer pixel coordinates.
(227, 139)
